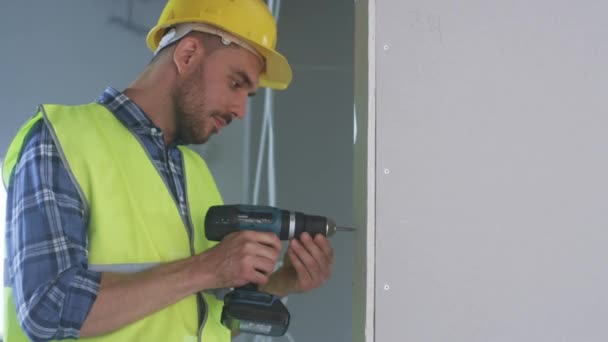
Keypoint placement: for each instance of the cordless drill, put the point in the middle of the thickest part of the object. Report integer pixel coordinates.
(245, 308)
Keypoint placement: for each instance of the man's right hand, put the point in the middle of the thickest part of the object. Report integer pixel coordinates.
(240, 258)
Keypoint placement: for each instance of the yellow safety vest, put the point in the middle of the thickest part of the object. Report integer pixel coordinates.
(133, 221)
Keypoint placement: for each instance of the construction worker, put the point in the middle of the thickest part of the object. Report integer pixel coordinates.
(106, 205)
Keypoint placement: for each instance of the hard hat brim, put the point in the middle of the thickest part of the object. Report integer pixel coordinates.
(277, 73)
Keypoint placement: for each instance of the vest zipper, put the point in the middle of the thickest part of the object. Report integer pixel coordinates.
(200, 300)
(201, 305)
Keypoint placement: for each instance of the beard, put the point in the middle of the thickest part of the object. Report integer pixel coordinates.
(192, 128)
(193, 121)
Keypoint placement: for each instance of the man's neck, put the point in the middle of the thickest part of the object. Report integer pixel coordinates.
(151, 93)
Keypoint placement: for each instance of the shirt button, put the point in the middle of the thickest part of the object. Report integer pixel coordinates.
(154, 130)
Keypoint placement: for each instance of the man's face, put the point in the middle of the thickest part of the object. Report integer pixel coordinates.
(214, 93)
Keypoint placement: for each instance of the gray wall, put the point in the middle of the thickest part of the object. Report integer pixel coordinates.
(491, 171)
(68, 51)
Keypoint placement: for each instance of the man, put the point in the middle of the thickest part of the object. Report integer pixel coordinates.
(106, 206)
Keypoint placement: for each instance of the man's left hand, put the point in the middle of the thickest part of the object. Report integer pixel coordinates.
(307, 265)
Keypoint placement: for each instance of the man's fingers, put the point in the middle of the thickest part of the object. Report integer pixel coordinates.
(266, 245)
(297, 264)
(318, 256)
(264, 265)
(328, 251)
(246, 256)
(256, 249)
(325, 246)
(259, 278)
(309, 262)
(269, 239)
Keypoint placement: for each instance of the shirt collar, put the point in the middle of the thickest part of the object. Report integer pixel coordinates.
(127, 111)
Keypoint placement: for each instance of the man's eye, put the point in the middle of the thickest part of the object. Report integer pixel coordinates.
(235, 84)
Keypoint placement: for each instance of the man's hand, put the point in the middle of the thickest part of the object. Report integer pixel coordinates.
(240, 258)
(307, 265)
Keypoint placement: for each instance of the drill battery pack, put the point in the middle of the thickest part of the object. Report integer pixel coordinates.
(249, 311)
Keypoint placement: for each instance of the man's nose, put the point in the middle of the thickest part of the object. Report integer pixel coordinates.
(240, 108)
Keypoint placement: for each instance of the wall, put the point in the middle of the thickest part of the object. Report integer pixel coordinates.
(491, 171)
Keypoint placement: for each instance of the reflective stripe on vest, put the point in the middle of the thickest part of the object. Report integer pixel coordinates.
(133, 221)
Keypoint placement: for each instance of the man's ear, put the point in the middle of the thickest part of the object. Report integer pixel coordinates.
(187, 53)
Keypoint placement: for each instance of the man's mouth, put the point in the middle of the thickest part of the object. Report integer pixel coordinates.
(219, 122)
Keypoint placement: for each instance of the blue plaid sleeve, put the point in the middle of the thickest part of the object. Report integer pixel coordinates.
(47, 244)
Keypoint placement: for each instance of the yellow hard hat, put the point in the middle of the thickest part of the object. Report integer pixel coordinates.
(250, 20)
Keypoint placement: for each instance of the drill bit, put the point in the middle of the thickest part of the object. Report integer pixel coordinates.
(332, 228)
